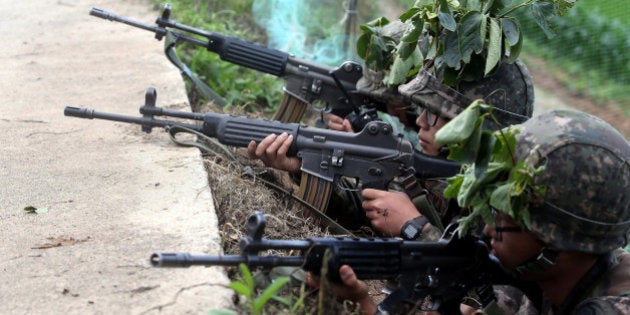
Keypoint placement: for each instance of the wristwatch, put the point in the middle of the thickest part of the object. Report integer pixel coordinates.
(412, 229)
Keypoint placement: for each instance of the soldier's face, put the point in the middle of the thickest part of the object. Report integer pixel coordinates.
(513, 246)
(428, 125)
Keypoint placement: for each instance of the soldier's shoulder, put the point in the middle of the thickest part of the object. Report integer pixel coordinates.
(604, 305)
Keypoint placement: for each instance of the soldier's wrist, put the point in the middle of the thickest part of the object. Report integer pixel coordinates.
(412, 229)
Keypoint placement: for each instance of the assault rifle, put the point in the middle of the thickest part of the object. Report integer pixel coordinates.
(444, 270)
(306, 81)
(375, 155)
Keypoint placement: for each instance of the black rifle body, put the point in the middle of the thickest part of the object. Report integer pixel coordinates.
(446, 269)
(375, 155)
(307, 81)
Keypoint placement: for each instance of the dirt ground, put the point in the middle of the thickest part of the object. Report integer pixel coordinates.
(107, 194)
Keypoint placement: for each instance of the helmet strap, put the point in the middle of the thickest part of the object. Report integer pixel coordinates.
(545, 259)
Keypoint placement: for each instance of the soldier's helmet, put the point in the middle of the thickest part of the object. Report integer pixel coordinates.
(509, 89)
(586, 206)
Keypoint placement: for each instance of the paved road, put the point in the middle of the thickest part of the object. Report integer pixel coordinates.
(113, 195)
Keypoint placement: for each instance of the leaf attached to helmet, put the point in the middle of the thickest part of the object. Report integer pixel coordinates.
(467, 39)
(490, 177)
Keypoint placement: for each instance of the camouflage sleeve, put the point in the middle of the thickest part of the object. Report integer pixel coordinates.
(430, 233)
(604, 305)
(511, 300)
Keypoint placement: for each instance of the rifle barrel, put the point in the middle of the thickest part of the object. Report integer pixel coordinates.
(146, 122)
(104, 14)
(187, 260)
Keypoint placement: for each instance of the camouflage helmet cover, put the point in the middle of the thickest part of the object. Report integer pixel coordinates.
(510, 89)
(586, 206)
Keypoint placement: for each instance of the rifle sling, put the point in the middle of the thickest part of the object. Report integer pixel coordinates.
(314, 192)
(170, 43)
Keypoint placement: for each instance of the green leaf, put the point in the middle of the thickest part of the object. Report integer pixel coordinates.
(409, 14)
(467, 191)
(405, 50)
(454, 185)
(269, 292)
(241, 288)
(470, 146)
(562, 6)
(511, 29)
(471, 33)
(445, 15)
(494, 46)
(411, 36)
(31, 209)
(486, 6)
(486, 147)
(504, 147)
(472, 4)
(452, 54)
(451, 76)
(362, 45)
(543, 11)
(447, 20)
(460, 127)
(515, 50)
(248, 279)
(401, 67)
(496, 6)
(500, 198)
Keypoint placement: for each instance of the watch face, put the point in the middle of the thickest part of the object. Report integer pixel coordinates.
(410, 231)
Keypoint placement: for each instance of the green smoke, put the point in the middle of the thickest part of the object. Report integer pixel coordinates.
(322, 31)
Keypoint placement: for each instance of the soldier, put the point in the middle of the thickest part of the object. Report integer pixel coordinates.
(394, 213)
(573, 250)
(510, 90)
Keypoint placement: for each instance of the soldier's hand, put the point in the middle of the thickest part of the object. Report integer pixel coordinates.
(273, 152)
(337, 123)
(388, 210)
(351, 289)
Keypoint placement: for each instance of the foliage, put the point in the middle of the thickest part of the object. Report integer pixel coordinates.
(239, 86)
(591, 47)
(256, 302)
(466, 38)
(491, 178)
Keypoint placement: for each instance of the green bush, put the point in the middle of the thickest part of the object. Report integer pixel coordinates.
(591, 47)
(245, 88)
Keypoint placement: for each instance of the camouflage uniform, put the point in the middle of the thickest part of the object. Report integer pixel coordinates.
(609, 294)
(586, 208)
(509, 89)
